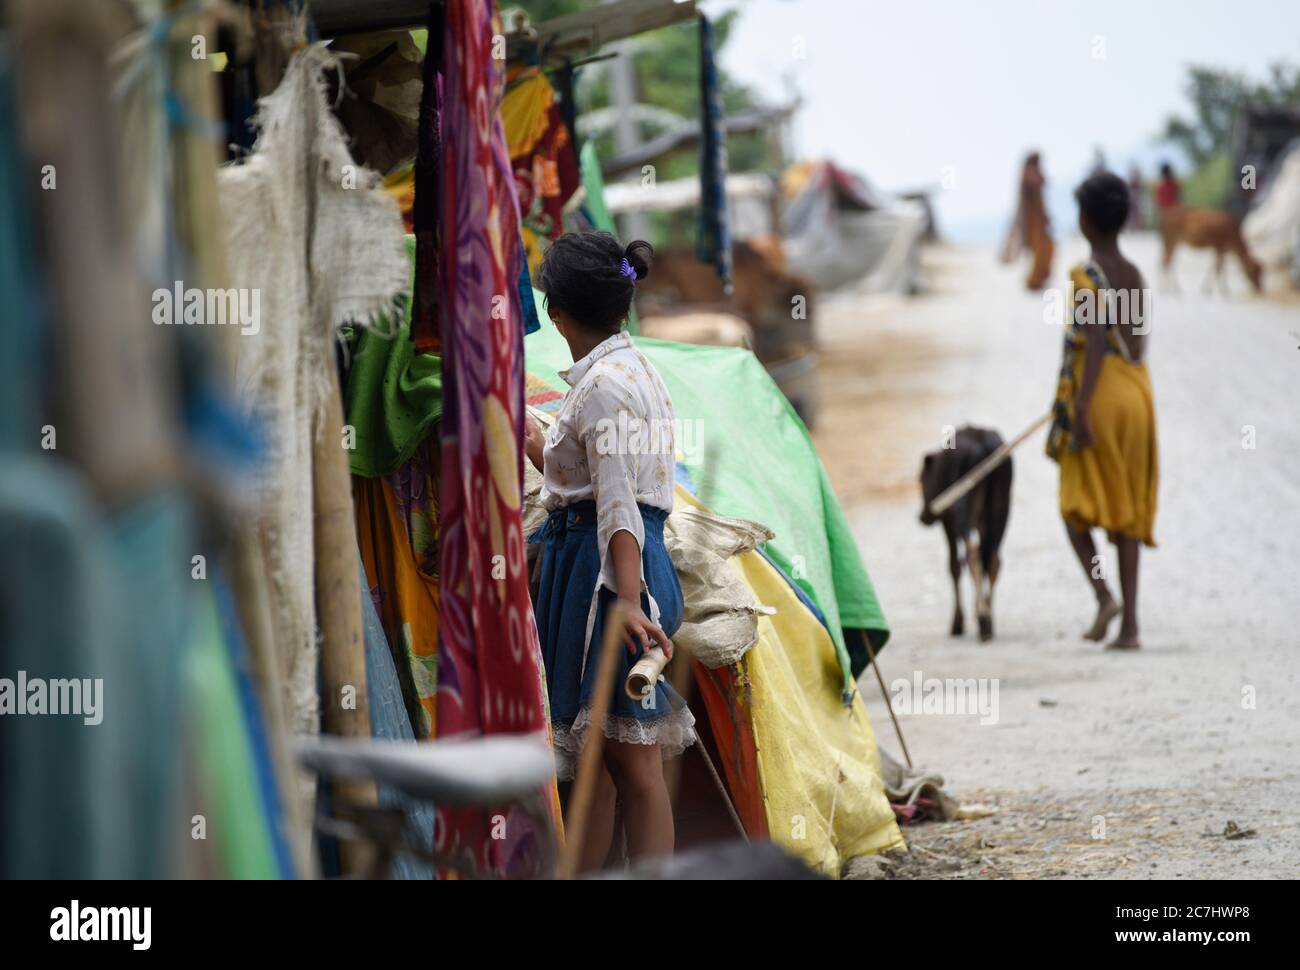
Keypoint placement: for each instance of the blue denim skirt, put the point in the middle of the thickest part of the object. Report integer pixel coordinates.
(570, 570)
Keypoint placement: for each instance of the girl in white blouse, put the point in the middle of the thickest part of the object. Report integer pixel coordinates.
(608, 464)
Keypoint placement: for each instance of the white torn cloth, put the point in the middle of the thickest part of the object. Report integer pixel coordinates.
(313, 235)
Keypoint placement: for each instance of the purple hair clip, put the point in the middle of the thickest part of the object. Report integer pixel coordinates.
(626, 269)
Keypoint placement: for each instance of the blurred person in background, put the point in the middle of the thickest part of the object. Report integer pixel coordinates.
(1030, 227)
(1136, 201)
(1169, 191)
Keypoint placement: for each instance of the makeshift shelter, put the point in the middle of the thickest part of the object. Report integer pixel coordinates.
(1272, 229)
(841, 230)
(1261, 139)
(751, 201)
(786, 721)
(721, 396)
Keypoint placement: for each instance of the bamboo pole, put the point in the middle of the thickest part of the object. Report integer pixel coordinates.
(722, 790)
(344, 701)
(589, 764)
(866, 642)
(682, 681)
(954, 492)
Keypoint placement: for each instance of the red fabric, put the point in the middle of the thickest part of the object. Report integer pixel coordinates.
(726, 702)
(489, 660)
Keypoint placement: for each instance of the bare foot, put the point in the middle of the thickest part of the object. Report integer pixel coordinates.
(1107, 610)
(1125, 641)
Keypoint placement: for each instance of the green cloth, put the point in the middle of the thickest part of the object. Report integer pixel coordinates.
(750, 456)
(393, 395)
(593, 184)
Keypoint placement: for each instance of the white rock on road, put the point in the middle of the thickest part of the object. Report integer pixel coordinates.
(1200, 727)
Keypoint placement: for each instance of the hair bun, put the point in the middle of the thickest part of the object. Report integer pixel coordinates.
(638, 254)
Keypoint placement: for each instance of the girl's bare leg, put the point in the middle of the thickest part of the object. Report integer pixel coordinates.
(1128, 583)
(1107, 608)
(600, 826)
(638, 772)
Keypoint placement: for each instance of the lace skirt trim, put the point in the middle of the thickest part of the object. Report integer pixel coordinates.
(674, 733)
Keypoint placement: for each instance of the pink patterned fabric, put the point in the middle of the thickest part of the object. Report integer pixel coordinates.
(490, 676)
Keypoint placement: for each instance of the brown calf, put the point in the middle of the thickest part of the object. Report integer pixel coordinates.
(1207, 229)
(977, 521)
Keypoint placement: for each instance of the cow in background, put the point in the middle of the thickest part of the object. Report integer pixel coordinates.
(1207, 229)
(977, 521)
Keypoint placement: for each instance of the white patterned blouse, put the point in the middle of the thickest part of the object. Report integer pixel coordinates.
(613, 443)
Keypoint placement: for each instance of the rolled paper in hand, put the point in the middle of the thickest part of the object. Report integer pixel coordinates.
(644, 673)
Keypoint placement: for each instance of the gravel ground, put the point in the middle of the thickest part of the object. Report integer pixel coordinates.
(1168, 746)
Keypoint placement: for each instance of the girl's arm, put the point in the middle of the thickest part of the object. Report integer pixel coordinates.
(619, 529)
(625, 554)
(534, 441)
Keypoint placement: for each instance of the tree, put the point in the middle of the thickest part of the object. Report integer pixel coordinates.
(1216, 97)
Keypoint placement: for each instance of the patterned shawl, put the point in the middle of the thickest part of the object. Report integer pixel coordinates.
(490, 677)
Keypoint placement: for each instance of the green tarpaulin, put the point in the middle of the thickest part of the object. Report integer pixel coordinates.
(749, 455)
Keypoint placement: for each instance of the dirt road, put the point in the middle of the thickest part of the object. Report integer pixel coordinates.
(1100, 764)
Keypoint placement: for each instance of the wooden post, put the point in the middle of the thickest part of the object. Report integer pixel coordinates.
(338, 606)
(589, 764)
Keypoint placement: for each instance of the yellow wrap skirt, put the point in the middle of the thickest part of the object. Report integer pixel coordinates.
(1112, 483)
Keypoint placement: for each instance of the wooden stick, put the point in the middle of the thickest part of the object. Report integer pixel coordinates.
(338, 606)
(589, 766)
(722, 789)
(866, 642)
(682, 681)
(954, 492)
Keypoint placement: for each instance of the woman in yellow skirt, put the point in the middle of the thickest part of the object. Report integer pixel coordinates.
(1103, 432)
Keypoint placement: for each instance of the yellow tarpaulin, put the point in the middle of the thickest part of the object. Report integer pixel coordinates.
(823, 792)
(817, 759)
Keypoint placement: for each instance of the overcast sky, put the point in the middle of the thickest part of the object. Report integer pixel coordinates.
(909, 91)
